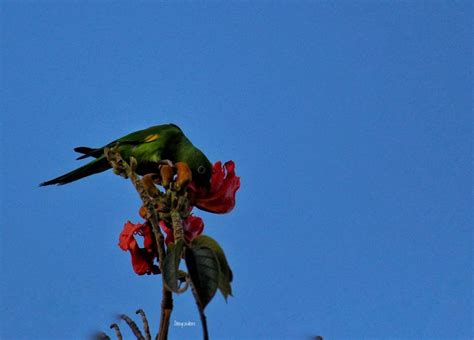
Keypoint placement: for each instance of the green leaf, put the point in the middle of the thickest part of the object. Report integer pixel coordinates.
(171, 273)
(225, 274)
(203, 269)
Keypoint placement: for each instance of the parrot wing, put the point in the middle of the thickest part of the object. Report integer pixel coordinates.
(145, 145)
(151, 134)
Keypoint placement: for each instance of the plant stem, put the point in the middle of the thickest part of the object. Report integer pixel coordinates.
(205, 333)
(166, 309)
(122, 168)
(177, 224)
(167, 296)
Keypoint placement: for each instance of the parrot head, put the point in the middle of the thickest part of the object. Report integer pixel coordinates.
(200, 166)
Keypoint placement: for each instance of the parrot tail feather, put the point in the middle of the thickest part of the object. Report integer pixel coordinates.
(98, 165)
(88, 152)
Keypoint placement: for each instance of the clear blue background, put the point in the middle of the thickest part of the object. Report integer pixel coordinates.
(350, 125)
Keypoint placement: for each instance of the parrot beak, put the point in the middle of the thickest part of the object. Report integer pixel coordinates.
(207, 186)
(203, 188)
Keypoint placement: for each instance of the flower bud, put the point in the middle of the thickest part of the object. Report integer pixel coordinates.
(143, 212)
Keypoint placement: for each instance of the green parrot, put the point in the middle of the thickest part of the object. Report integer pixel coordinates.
(148, 147)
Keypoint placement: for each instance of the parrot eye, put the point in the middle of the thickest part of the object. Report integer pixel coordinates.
(201, 169)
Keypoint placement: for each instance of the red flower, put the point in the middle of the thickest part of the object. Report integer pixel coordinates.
(142, 258)
(220, 198)
(193, 227)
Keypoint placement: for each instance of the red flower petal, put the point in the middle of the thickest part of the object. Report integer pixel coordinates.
(126, 236)
(217, 177)
(142, 262)
(142, 258)
(193, 227)
(221, 196)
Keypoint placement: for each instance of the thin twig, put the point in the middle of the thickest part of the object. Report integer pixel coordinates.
(101, 336)
(205, 333)
(146, 326)
(133, 326)
(117, 331)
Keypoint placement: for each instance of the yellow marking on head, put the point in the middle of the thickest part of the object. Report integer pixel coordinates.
(152, 138)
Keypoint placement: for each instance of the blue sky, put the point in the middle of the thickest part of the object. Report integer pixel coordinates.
(351, 127)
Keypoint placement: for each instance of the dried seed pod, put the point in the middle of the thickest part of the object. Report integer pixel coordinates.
(184, 175)
(166, 172)
(149, 184)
